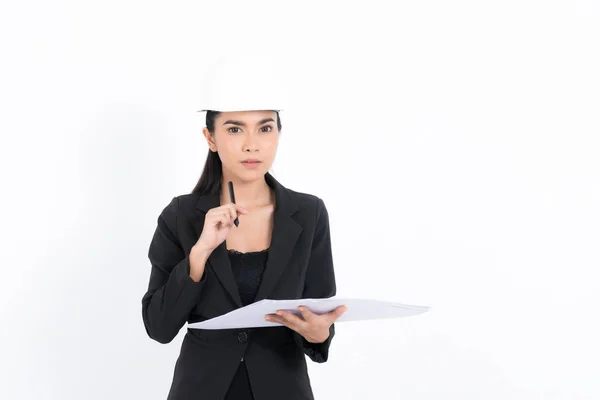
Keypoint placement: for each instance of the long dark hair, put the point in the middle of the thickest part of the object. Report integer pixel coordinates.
(210, 180)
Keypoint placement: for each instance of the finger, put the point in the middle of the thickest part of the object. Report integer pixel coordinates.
(294, 321)
(217, 213)
(231, 214)
(224, 213)
(306, 313)
(237, 209)
(240, 209)
(333, 315)
(276, 319)
(282, 321)
(224, 221)
(228, 216)
(273, 318)
(230, 211)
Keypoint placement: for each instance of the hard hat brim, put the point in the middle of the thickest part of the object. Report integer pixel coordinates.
(218, 109)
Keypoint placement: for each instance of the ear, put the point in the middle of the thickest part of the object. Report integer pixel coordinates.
(210, 139)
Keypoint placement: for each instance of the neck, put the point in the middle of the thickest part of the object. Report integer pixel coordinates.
(247, 194)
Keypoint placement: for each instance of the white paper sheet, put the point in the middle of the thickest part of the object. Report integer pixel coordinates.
(253, 315)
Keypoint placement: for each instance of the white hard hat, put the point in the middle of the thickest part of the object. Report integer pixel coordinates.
(243, 83)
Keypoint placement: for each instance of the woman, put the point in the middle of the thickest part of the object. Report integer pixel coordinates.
(204, 266)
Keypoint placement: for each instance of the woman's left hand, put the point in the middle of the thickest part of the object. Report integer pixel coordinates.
(313, 327)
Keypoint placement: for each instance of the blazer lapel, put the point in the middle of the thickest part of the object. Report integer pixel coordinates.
(283, 239)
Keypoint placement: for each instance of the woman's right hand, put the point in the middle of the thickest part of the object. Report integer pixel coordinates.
(217, 224)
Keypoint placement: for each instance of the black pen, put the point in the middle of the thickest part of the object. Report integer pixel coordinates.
(232, 197)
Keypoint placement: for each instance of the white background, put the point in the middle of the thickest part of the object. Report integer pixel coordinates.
(455, 145)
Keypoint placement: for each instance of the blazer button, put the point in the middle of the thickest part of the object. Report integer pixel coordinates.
(242, 337)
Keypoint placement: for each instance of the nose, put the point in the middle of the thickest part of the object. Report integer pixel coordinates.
(250, 144)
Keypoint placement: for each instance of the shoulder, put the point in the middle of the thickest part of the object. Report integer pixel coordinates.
(293, 199)
(183, 204)
(187, 202)
(305, 200)
(309, 205)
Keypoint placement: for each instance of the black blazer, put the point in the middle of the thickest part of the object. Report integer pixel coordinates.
(300, 265)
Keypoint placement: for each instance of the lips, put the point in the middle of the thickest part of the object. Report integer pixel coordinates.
(251, 163)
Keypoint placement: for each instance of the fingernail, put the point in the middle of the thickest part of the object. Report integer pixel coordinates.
(301, 308)
(279, 313)
(267, 317)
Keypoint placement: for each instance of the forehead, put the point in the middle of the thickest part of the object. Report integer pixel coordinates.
(248, 117)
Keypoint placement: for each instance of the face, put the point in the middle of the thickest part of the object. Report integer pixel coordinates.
(246, 142)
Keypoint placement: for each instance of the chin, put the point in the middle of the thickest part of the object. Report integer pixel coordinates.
(251, 175)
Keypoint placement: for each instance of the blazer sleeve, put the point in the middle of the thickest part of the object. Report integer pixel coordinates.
(171, 293)
(320, 280)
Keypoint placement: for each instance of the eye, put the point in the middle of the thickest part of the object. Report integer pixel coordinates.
(234, 131)
(267, 128)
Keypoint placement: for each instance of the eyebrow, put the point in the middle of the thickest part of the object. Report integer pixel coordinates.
(240, 123)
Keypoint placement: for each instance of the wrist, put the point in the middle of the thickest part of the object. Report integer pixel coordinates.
(319, 339)
(197, 258)
(199, 253)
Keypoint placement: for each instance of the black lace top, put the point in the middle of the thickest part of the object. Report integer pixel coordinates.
(248, 269)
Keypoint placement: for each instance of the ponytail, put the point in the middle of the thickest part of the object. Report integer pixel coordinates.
(210, 180)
